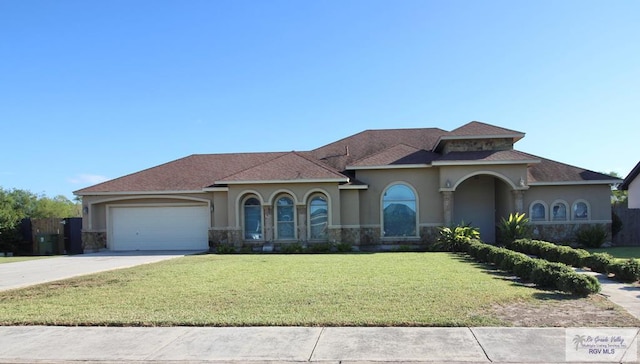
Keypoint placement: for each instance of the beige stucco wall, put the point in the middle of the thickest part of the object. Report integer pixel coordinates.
(96, 206)
(634, 194)
(423, 180)
(597, 196)
(458, 174)
(350, 207)
(268, 193)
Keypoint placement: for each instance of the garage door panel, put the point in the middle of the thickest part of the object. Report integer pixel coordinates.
(159, 228)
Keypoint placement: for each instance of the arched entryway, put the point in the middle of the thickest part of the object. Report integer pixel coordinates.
(481, 201)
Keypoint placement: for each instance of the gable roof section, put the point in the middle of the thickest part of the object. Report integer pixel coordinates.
(549, 172)
(486, 157)
(479, 130)
(632, 176)
(192, 173)
(346, 151)
(289, 167)
(398, 156)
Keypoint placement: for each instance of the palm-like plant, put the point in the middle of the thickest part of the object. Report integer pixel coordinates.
(516, 227)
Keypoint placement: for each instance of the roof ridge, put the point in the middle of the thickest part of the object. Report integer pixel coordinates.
(252, 165)
(570, 165)
(318, 163)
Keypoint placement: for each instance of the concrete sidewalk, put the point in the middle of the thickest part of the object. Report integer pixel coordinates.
(31, 272)
(46, 344)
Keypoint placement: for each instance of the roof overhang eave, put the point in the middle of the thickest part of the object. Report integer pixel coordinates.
(472, 163)
(389, 166)
(253, 182)
(568, 183)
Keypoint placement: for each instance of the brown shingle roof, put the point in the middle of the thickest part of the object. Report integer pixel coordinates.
(359, 146)
(487, 156)
(480, 129)
(186, 174)
(400, 154)
(548, 171)
(291, 166)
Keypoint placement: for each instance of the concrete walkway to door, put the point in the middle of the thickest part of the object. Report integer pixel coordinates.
(31, 272)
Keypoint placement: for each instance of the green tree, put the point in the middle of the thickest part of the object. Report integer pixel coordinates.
(617, 195)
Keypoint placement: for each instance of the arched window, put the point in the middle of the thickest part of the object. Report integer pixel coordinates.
(252, 213)
(580, 210)
(318, 218)
(538, 211)
(559, 211)
(399, 211)
(285, 219)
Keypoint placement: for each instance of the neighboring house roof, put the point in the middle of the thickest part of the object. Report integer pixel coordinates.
(398, 155)
(632, 176)
(552, 172)
(290, 167)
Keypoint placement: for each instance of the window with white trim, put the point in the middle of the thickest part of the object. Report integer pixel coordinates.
(318, 217)
(252, 219)
(538, 211)
(580, 210)
(559, 211)
(399, 211)
(285, 219)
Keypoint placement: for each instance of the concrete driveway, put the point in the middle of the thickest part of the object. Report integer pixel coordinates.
(28, 273)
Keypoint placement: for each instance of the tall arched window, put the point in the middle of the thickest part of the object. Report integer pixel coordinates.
(285, 219)
(252, 213)
(318, 218)
(399, 212)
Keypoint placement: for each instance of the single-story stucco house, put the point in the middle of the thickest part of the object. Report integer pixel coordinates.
(377, 188)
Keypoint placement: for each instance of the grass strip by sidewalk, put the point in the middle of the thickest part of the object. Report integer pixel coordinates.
(392, 289)
(619, 252)
(21, 258)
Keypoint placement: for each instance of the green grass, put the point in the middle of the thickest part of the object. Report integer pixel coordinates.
(20, 259)
(622, 252)
(392, 289)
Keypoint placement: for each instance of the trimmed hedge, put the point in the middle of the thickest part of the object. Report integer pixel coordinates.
(627, 271)
(538, 271)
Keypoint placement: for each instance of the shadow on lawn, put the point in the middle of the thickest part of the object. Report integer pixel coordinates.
(542, 294)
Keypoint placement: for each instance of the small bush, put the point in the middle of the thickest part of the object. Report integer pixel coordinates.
(548, 275)
(579, 284)
(318, 248)
(625, 271)
(526, 268)
(225, 249)
(451, 239)
(591, 236)
(574, 257)
(293, 248)
(599, 262)
(343, 247)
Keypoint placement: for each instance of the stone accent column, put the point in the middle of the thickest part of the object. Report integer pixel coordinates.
(268, 223)
(302, 222)
(518, 200)
(447, 200)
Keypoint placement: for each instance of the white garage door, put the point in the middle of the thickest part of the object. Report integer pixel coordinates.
(159, 228)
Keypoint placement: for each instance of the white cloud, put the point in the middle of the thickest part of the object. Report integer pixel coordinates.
(88, 179)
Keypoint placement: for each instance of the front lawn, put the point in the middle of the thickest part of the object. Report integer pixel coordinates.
(390, 289)
(622, 252)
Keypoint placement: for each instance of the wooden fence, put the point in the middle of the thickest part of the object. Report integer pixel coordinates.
(630, 233)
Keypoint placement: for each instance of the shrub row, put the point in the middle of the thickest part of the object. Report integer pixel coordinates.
(544, 274)
(625, 271)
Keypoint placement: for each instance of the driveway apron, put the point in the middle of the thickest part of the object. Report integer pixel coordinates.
(31, 272)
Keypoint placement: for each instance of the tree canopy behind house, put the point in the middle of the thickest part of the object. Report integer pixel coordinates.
(17, 204)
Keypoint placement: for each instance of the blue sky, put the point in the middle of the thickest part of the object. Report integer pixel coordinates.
(91, 90)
